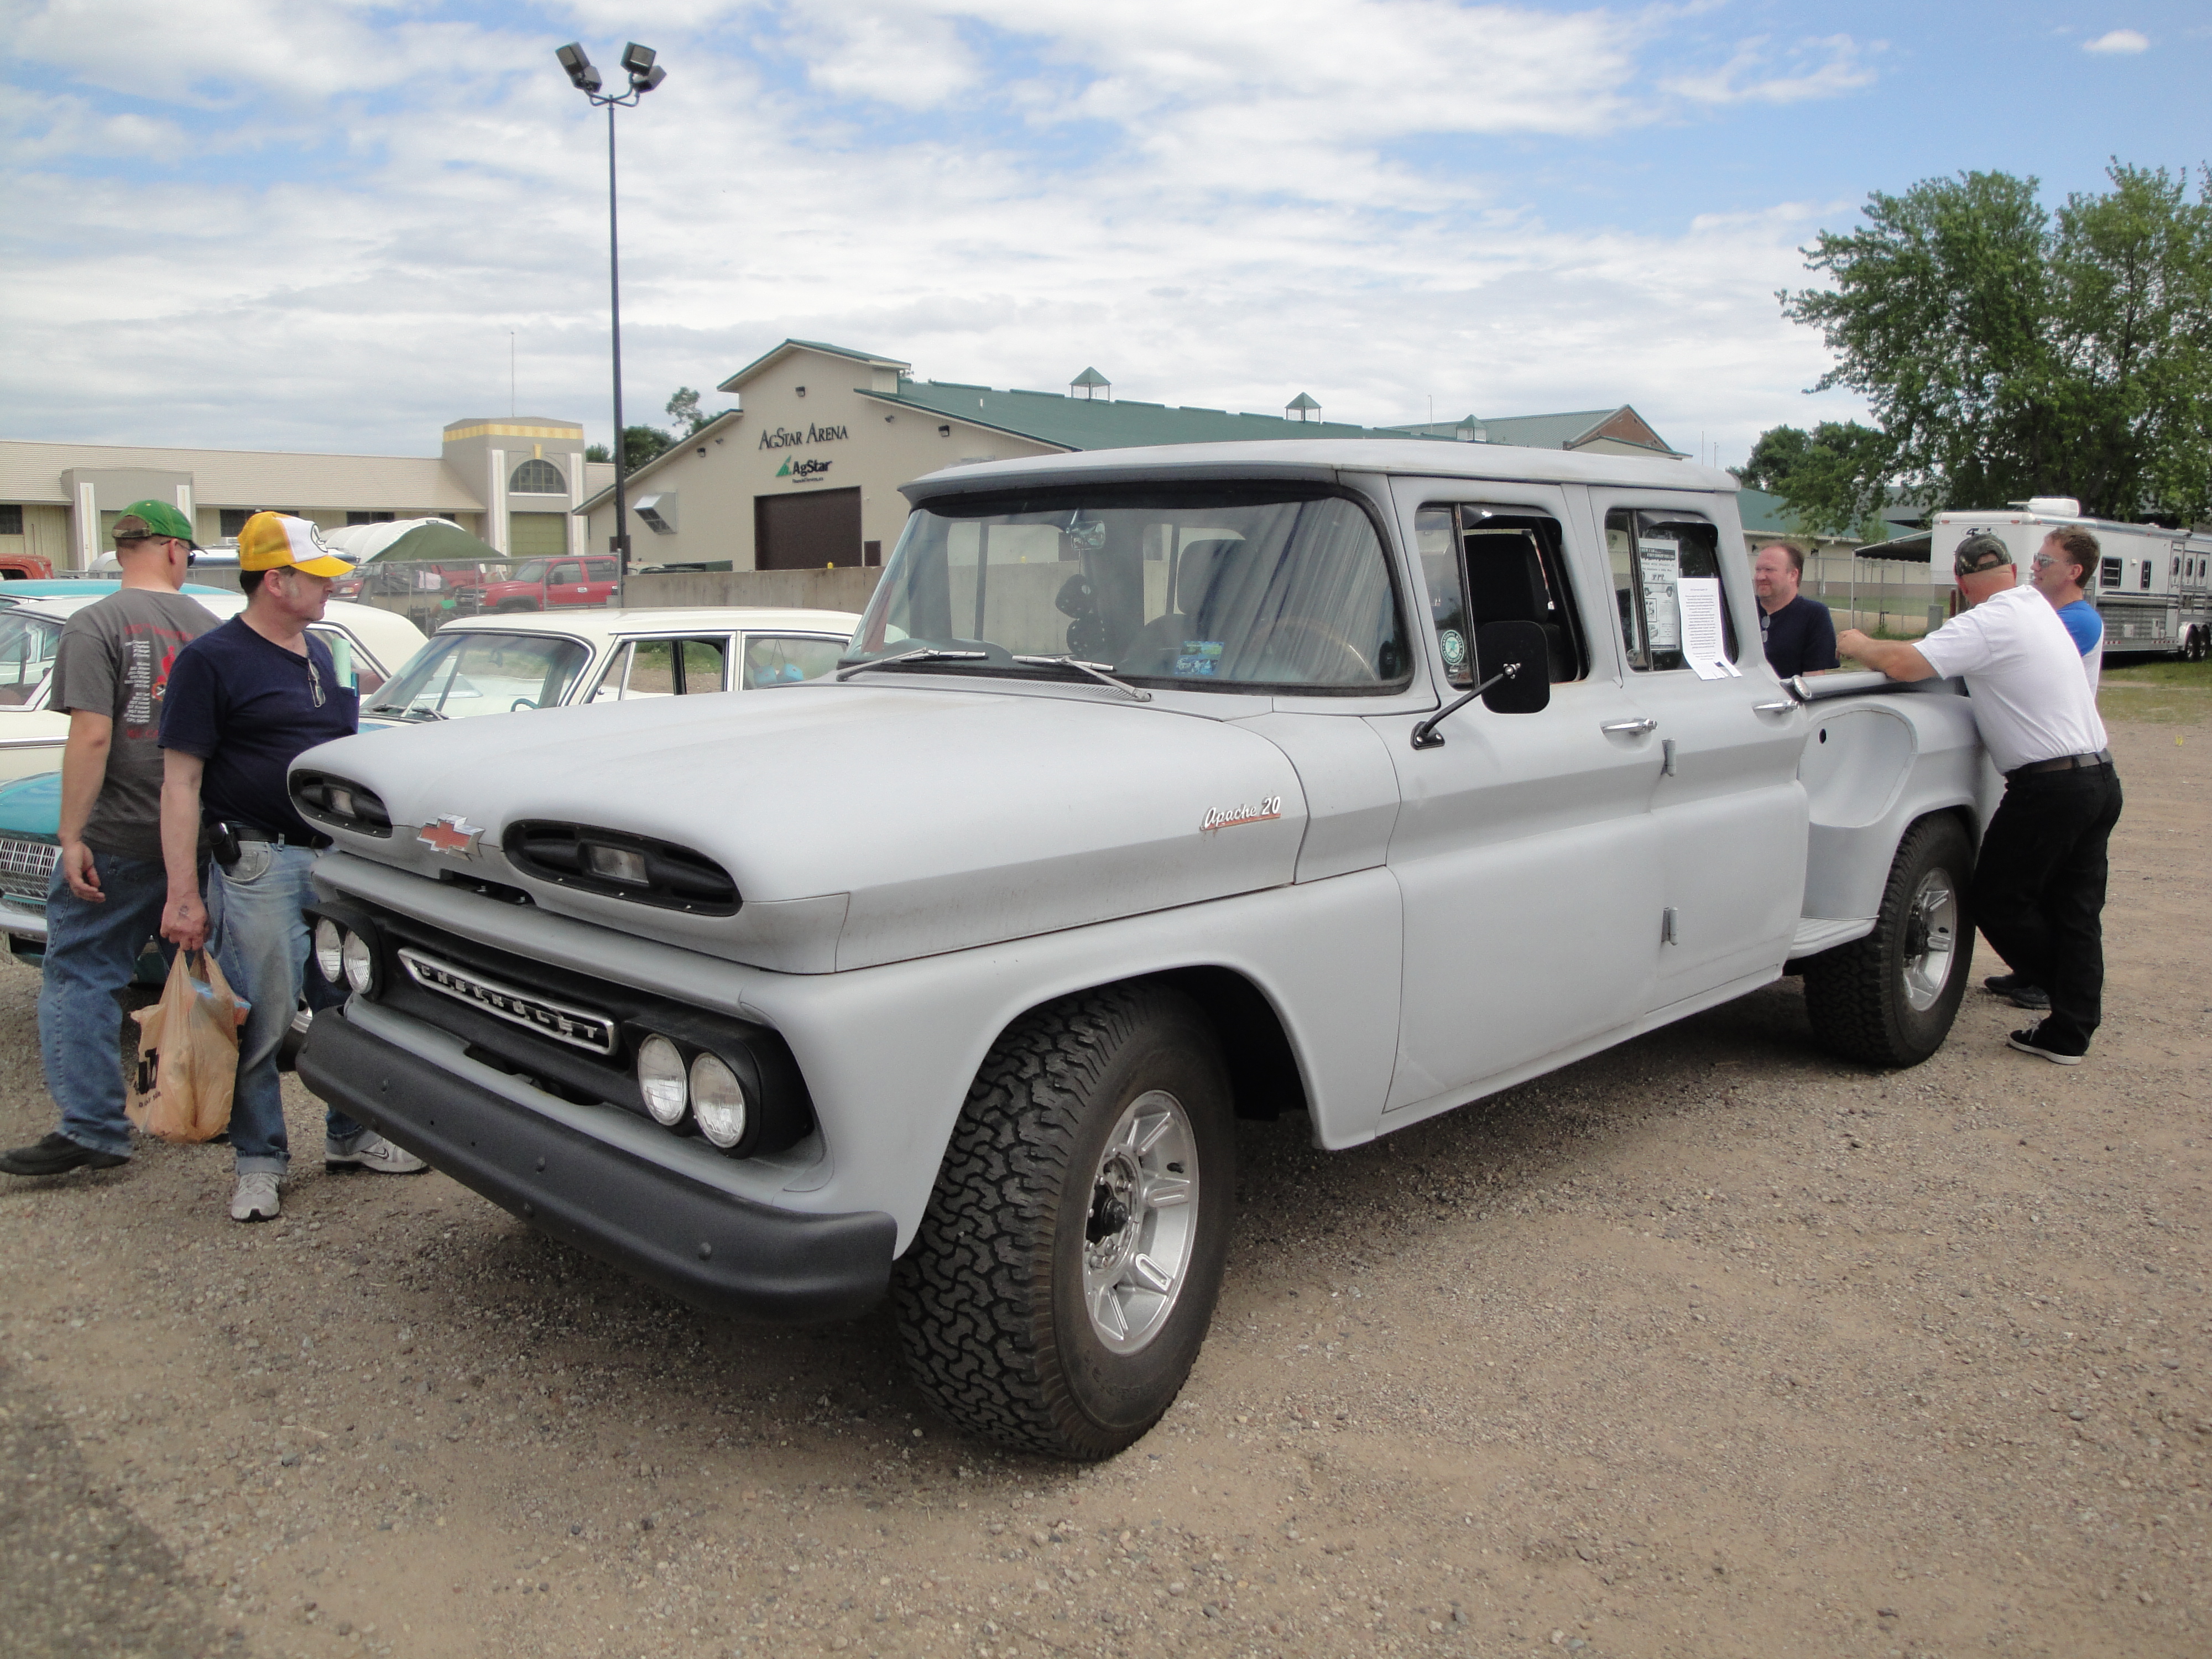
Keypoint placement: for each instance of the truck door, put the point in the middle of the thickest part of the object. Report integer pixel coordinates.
(1725, 797)
(1523, 848)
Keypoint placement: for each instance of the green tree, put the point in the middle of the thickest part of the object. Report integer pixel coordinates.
(1832, 479)
(639, 445)
(2006, 354)
(684, 408)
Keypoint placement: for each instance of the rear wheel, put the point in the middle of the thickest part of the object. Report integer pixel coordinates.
(1889, 999)
(1067, 1266)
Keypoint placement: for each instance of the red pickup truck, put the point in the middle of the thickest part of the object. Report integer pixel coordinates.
(557, 585)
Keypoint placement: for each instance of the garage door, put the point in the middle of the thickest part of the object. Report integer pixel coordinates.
(537, 534)
(805, 532)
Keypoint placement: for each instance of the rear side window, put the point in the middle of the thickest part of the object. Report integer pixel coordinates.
(664, 668)
(1486, 564)
(787, 659)
(1651, 553)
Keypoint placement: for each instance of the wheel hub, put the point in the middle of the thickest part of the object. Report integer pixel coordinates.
(1141, 1226)
(1931, 940)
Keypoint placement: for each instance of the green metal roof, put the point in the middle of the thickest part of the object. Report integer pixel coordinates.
(1066, 422)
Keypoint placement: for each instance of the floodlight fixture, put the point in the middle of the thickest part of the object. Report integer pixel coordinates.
(581, 75)
(653, 79)
(637, 60)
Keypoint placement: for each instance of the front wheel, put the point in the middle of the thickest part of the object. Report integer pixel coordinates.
(1889, 999)
(1067, 1266)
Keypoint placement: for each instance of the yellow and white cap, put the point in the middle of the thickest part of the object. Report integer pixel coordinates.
(274, 541)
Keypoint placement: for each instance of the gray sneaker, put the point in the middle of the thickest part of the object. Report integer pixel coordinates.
(255, 1198)
(370, 1150)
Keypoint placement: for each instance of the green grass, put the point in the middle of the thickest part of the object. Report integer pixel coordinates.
(2158, 693)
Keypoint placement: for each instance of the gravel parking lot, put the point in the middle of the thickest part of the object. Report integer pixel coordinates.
(1709, 1346)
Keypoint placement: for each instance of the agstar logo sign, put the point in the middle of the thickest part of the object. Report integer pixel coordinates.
(782, 438)
(798, 471)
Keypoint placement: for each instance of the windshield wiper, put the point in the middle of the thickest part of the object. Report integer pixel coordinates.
(919, 654)
(1096, 671)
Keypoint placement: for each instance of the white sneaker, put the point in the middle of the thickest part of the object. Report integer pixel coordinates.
(255, 1199)
(370, 1150)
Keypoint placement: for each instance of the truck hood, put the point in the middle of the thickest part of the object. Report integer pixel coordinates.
(861, 825)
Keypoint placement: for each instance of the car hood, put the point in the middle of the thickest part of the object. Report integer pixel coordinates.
(861, 825)
(31, 808)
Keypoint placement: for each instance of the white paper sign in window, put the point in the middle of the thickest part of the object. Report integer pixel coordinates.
(1660, 557)
(1704, 644)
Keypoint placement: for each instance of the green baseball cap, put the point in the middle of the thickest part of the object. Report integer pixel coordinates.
(142, 520)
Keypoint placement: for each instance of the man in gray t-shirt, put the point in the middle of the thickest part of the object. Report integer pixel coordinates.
(104, 902)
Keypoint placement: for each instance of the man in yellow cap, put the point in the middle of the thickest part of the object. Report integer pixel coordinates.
(245, 700)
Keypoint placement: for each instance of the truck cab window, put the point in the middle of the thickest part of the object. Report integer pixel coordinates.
(1487, 564)
(1434, 531)
(1651, 553)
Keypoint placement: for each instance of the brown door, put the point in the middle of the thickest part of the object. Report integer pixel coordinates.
(805, 532)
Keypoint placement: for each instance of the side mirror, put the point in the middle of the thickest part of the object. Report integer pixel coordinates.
(1515, 660)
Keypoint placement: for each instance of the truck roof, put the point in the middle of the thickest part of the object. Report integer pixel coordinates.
(1321, 460)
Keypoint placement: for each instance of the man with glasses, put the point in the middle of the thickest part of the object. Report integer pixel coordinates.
(2038, 891)
(245, 701)
(104, 900)
(2064, 567)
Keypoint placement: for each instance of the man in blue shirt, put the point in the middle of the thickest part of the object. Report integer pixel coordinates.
(244, 701)
(2065, 566)
(1798, 633)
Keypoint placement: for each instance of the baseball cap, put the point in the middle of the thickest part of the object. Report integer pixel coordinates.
(276, 541)
(1980, 552)
(142, 521)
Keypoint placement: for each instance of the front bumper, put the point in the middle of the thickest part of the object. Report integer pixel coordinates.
(722, 1252)
(20, 921)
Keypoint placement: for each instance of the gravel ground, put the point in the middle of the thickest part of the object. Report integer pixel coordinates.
(1708, 1346)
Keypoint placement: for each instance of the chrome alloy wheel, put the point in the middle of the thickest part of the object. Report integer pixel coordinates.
(1931, 939)
(1139, 1236)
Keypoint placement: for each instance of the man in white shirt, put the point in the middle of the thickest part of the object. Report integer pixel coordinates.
(2039, 892)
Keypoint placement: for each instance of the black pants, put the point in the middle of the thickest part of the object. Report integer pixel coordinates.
(2038, 893)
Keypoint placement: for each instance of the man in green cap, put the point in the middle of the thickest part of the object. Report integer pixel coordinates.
(104, 901)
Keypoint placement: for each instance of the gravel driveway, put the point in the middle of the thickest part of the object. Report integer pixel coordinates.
(1709, 1346)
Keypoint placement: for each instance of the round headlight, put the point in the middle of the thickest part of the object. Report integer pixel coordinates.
(330, 950)
(359, 964)
(660, 1079)
(718, 1101)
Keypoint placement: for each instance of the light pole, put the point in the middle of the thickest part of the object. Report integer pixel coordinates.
(644, 75)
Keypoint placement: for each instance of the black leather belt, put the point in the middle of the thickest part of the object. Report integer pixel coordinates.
(248, 832)
(2063, 763)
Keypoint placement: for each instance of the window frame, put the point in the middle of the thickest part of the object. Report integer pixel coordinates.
(1603, 508)
(516, 488)
(1555, 562)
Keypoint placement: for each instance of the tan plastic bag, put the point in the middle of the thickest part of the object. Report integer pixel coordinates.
(188, 1053)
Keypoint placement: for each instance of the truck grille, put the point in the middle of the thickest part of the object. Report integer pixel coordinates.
(26, 869)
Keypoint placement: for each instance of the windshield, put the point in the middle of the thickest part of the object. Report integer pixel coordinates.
(530, 570)
(459, 674)
(27, 652)
(1247, 586)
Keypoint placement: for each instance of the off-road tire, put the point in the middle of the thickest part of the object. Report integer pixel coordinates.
(992, 1311)
(1855, 994)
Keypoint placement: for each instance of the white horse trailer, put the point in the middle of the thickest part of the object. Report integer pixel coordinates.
(2153, 587)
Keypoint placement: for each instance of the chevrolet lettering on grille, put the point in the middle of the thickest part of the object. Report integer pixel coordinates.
(579, 1028)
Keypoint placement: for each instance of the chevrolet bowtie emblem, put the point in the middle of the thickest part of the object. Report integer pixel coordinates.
(451, 832)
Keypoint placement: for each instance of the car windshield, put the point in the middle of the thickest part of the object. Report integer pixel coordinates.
(530, 570)
(27, 655)
(1251, 586)
(460, 673)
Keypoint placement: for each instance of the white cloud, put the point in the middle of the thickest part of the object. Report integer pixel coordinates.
(2119, 41)
(1248, 214)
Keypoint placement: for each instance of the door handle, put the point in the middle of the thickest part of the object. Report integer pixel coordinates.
(1780, 707)
(1635, 728)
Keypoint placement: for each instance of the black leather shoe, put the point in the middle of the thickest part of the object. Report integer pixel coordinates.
(57, 1154)
(2004, 984)
(2030, 1042)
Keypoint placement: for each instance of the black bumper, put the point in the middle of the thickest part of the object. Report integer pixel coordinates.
(723, 1253)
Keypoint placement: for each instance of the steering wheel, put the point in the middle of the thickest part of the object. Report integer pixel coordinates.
(1347, 655)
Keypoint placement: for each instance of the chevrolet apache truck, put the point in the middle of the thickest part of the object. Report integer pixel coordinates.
(1358, 779)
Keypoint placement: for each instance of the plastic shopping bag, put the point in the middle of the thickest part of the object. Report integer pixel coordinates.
(188, 1053)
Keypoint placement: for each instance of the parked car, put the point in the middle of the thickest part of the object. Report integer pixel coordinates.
(563, 584)
(25, 567)
(363, 640)
(499, 664)
(1356, 780)
(79, 587)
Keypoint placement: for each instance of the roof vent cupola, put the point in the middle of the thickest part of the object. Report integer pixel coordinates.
(1301, 408)
(1091, 383)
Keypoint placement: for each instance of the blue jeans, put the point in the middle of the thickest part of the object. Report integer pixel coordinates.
(92, 950)
(258, 935)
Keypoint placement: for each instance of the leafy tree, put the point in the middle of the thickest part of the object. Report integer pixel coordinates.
(1833, 479)
(684, 407)
(2008, 355)
(639, 445)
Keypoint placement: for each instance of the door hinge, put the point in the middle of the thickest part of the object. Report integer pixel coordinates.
(1667, 752)
(1669, 930)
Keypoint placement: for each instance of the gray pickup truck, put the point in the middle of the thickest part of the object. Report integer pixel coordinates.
(1155, 788)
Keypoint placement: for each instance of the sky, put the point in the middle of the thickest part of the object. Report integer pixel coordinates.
(337, 225)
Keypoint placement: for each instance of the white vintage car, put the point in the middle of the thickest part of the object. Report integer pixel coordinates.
(498, 664)
(1353, 780)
